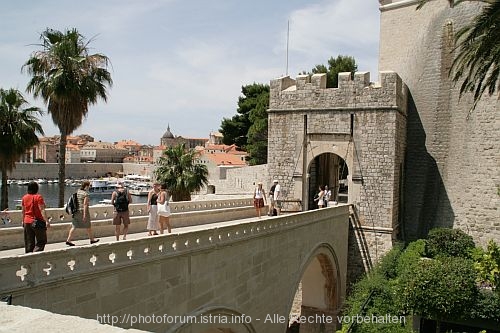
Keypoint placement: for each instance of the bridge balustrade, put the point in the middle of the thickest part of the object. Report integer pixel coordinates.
(103, 212)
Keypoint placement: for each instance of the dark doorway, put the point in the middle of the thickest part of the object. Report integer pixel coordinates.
(331, 170)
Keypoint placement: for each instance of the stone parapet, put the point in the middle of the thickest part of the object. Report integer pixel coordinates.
(310, 92)
(184, 214)
(223, 270)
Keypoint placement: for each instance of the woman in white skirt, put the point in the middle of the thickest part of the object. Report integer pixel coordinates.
(153, 225)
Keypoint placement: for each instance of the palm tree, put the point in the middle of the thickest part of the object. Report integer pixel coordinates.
(178, 169)
(18, 128)
(69, 80)
(477, 62)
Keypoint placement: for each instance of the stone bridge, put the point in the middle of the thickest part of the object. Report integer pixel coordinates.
(239, 278)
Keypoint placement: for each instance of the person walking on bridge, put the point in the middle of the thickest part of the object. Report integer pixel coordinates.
(120, 199)
(35, 221)
(164, 211)
(81, 218)
(259, 198)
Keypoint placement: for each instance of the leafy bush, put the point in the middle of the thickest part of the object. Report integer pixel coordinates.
(388, 265)
(411, 257)
(450, 243)
(440, 289)
(487, 306)
(487, 264)
(380, 283)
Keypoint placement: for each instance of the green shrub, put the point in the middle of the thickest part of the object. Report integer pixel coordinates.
(487, 307)
(440, 289)
(450, 243)
(388, 265)
(411, 257)
(487, 264)
(382, 285)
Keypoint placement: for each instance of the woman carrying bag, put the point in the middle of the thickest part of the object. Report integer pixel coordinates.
(164, 209)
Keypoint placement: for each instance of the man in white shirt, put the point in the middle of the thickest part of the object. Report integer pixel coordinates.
(277, 197)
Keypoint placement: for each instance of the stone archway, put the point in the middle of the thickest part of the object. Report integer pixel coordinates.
(328, 169)
(317, 299)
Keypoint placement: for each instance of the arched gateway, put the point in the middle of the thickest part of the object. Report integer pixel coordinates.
(353, 137)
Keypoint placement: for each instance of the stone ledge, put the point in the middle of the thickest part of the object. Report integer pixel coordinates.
(19, 319)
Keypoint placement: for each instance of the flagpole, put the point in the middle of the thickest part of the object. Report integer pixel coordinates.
(287, 41)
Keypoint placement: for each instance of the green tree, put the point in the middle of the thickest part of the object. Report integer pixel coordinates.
(336, 66)
(477, 61)
(257, 133)
(248, 128)
(178, 169)
(69, 79)
(18, 132)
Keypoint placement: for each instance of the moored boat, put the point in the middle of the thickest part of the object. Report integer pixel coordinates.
(102, 186)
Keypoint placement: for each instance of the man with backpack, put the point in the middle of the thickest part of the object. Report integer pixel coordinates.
(120, 199)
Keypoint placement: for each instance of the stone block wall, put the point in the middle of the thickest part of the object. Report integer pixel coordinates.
(240, 180)
(73, 170)
(452, 165)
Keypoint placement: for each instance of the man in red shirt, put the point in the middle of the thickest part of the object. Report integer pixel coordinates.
(33, 208)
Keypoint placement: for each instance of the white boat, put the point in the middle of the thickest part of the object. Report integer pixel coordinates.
(139, 190)
(102, 186)
(105, 202)
(41, 181)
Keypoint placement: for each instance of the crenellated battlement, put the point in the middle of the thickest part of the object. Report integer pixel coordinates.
(310, 92)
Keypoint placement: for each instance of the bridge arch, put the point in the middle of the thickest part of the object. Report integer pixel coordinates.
(217, 324)
(320, 283)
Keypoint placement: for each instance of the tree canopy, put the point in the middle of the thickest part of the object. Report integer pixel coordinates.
(177, 168)
(336, 66)
(69, 79)
(18, 132)
(248, 128)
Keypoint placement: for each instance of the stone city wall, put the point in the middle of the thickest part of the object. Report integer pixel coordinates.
(240, 180)
(452, 167)
(73, 170)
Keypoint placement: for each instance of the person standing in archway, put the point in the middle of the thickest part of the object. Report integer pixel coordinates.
(259, 198)
(328, 195)
(271, 198)
(320, 197)
(278, 196)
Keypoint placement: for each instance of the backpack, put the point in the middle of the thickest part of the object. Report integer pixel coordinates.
(72, 204)
(121, 201)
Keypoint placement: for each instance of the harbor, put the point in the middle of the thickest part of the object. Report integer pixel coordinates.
(100, 191)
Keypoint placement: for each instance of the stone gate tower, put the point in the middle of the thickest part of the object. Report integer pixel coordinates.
(317, 136)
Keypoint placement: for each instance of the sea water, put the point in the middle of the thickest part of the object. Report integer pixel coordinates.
(50, 193)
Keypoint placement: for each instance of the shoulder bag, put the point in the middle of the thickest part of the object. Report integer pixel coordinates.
(38, 224)
(164, 209)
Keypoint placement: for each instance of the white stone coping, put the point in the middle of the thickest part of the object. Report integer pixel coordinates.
(29, 270)
(20, 319)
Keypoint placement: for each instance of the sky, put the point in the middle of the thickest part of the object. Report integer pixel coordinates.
(182, 63)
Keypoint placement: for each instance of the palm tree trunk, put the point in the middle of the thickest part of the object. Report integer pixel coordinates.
(5, 192)
(62, 167)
